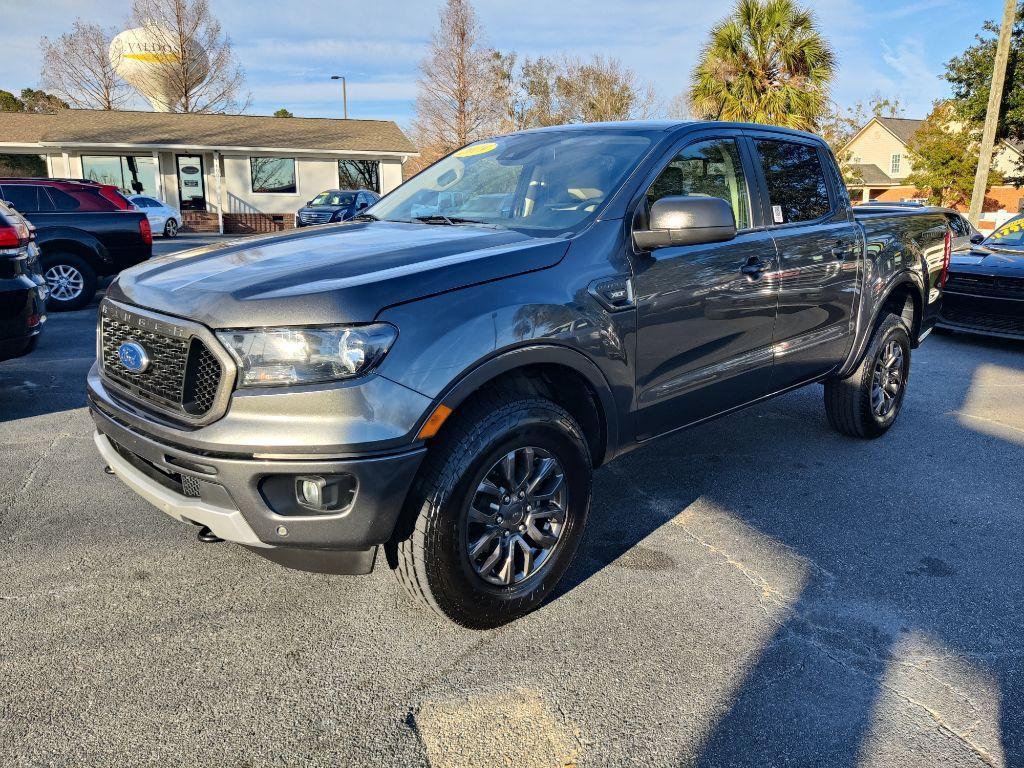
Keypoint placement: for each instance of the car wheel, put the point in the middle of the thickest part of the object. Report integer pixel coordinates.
(171, 228)
(866, 403)
(496, 514)
(71, 280)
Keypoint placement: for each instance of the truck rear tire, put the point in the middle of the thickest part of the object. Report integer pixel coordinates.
(496, 514)
(71, 280)
(866, 403)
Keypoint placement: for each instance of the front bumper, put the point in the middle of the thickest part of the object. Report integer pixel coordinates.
(230, 495)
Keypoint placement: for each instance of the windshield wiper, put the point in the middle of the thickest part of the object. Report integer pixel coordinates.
(440, 218)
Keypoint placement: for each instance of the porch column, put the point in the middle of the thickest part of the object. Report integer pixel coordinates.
(159, 177)
(67, 165)
(220, 197)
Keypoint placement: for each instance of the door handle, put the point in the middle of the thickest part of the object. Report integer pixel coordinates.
(754, 267)
(842, 250)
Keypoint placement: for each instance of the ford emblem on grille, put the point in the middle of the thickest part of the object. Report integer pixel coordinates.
(133, 356)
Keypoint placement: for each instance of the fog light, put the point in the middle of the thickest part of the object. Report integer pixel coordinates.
(324, 494)
(311, 491)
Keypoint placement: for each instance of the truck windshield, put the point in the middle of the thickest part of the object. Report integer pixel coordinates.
(547, 182)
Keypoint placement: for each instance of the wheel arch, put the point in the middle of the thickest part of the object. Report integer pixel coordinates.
(904, 295)
(566, 376)
(91, 252)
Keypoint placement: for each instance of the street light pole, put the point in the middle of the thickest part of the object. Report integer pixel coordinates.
(995, 97)
(344, 94)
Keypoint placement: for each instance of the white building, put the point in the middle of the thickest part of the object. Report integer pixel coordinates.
(235, 173)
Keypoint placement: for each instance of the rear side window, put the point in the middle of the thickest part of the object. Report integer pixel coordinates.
(796, 181)
(62, 201)
(24, 197)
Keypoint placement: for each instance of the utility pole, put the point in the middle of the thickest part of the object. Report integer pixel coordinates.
(344, 94)
(995, 97)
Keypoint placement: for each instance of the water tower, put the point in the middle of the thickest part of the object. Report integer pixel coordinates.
(145, 58)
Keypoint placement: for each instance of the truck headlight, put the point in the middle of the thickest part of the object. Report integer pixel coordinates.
(269, 357)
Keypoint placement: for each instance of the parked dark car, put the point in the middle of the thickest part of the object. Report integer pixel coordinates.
(985, 288)
(335, 205)
(22, 289)
(84, 231)
(442, 386)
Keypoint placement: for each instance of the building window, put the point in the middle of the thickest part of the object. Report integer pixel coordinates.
(273, 175)
(359, 174)
(132, 174)
(895, 164)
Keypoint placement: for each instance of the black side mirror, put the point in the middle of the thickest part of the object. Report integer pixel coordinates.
(977, 238)
(362, 206)
(686, 220)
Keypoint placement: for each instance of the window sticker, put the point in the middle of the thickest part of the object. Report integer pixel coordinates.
(777, 214)
(477, 149)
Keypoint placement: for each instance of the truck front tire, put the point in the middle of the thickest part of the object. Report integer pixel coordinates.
(866, 403)
(496, 514)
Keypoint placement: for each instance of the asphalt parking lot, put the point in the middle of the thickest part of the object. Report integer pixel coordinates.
(758, 591)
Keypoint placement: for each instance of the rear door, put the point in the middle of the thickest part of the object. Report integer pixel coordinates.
(820, 254)
(705, 327)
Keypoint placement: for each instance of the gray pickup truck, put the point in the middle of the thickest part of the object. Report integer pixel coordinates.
(437, 379)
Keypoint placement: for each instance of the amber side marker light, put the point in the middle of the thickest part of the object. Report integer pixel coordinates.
(435, 421)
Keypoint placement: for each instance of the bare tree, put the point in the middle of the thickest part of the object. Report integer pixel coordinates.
(78, 68)
(458, 95)
(600, 89)
(197, 70)
(544, 91)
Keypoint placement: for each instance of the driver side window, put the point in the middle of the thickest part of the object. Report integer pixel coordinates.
(709, 168)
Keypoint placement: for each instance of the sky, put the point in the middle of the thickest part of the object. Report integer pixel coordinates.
(289, 50)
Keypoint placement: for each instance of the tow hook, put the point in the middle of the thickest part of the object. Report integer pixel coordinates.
(207, 536)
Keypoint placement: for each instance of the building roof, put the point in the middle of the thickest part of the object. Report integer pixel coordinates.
(902, 127)
(89, 127)
(868, 173)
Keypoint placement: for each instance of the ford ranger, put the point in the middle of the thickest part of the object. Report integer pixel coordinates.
(433, 383)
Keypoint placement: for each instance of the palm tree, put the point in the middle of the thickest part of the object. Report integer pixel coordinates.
(765, 63)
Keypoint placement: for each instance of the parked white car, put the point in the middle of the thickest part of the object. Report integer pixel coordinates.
(162, 218)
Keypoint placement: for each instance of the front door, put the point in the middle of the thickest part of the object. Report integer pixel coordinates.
(704, 341)
(820, 251)
(191, 187)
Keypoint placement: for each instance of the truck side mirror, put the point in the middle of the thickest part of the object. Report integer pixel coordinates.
(684, 220)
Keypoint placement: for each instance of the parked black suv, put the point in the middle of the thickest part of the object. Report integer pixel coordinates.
(335, 205)
(84, 230)
(441, 377)
(22, 289)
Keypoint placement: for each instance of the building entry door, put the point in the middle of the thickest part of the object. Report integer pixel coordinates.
(191, 188)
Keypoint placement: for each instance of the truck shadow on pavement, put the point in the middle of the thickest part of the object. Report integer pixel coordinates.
(910, 548)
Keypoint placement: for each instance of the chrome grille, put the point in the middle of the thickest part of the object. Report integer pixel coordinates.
(184, 376)
(315, 217)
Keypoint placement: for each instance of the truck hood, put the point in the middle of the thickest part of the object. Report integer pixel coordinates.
(989, 260)
(344, 273)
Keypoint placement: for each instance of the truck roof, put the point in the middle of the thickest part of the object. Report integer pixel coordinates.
(648, 126)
